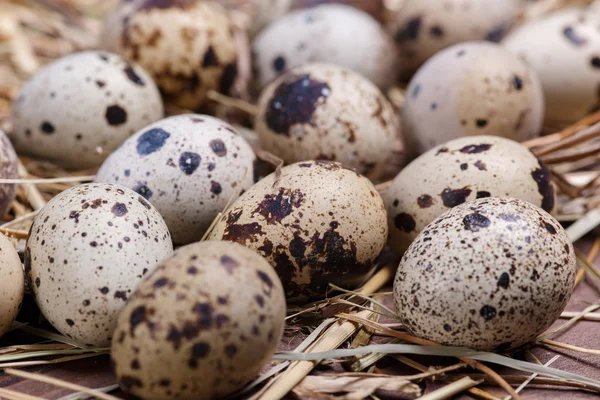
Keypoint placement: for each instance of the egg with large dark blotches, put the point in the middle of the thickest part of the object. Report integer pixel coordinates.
(188, 166)
(8, 170)
(317, 223)
(12, 284)
(87, 250)
(421, 28)
(201, 325)
(475, 88)
(564, 50)
(187, 46)
(76, 110)
(489, 274)
(462, 170)
(324, 111)
(328, 33)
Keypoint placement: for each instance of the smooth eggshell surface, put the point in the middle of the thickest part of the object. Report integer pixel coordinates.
(462, 170)
(8, 170)
(88, 248)
(330, 33)
(475, 88)
(489, 274)
(323, 111)
(421, 28)
(12, 284)
(187, 46)
(201, 325)
(564, 50)
(188, 166)
(78, 109)
(317, 223)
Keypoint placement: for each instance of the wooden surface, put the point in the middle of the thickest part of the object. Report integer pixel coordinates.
(95, 372)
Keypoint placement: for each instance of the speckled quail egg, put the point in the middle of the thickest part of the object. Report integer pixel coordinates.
(201, 325)
(564, 50)
(87, 250)
(475, 88)
(462, 170)
(188, 166)
(78, 109)
(489, 274)
(331, 33)
(8, 170)
(317, 223)
(12, 284)
(323, 111)
(421, 28)
(186, 45)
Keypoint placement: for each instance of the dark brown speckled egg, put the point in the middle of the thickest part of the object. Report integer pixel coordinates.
(489, 274)
(201, 325)
(88, 248)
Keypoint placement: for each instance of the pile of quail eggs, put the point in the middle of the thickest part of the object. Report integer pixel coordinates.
(484, 264)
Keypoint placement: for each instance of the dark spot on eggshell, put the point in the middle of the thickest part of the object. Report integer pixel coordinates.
(517, 82)
(215, 187)
(115, 115)
(119, 209)
(199, 350)
(104, 290)
(275, 208)
(595, 62)
(210, 58)
(573, 37)
(441, 151)
(542, 178)
(189, 162)
(424, 201)
(496, 34)
(410, 31)
(481, 123)
(549, 227)
(70, 322)
(487, 312)
(482, 193)
(474, 222)
(480, 165)
(138, 315)
(218, 147)
(294, 101)
(436, 31)
(47, 128)
(265, 278)
(229, 264)
(508, 217)
(37, 282)
(241, 233)
(504, 280)
(453, 197)
(228, 78)
(475, 148)
(464, 166)
(121, 294)
(416, 90)
(260, 300)
(133, 76)
(100, 83)
(128, 382)
(447, 328)
(405, 222)
(279, 64)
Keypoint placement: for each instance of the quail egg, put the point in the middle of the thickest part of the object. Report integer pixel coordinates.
(461, 170)
(489, 274)
(331, 33)
(316, 223)
(12, 284)
(476, 88)
(188, 166)
(201, 325)
(87, 250)
(186, 45)
(78, 109)
(323, 111)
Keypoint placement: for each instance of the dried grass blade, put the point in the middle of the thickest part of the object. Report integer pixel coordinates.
(33, 195)
(578, 349)
(589, 267)
(37, 181)
(584, 225)
(15, 233)
(13, 395)
(450, 390)
(20, 219)
(569, 323)
(83, 396)
(232, 102)
(366, 360)
(47, 334)
(583, 135)
(60, 383)
(586, 317)
(532, 377)
(47, 362)
(356, 388)
(48, 353)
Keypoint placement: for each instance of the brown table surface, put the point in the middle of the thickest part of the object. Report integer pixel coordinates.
(95, 372)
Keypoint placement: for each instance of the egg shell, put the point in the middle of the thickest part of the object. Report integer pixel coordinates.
(489, 274)
(475, 88)
(201, 325)
(188, 166)
(87, 250)
(8, 170)
(186, 45)
(330, 33)
(79, 108)
(12, 284)
(323, 111)
(421, 28)
(317, 223)
(462, 170)
(564, 50)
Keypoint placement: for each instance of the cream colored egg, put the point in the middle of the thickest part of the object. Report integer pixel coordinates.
(12, 284)
(188, 166)
(201, 325)
(78, 109)
(462, 170)
(87, 250)
(329, 33)
(317, 223)
(421, 28)
(491, 274)
(323, 111)
(186, 45)
(475, 88)
(564, 50)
